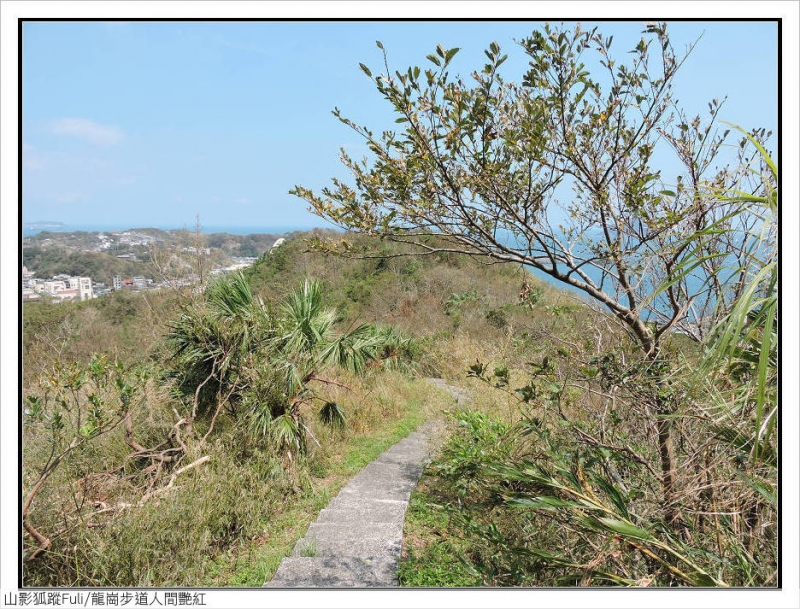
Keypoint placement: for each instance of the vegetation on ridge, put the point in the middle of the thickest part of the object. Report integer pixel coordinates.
(626, 439)
(557, 172)
(119, 510)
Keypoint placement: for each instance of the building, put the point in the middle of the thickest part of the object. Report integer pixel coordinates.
(66, 295)
(60, 287)
(85, 288)
(116, 283)
(54, 286)
(82, 286)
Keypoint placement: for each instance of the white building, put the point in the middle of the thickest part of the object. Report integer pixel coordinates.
(54, 286)
(65, 295)
(29, 294)
(85, 288)
(277, 244)
(81, 287)
(62, 289)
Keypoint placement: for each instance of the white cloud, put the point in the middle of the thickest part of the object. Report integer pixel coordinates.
(85, 129)
(242, 201)
(31, 159)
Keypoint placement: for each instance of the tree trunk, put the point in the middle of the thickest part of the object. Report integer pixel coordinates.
(665, 410)
(666, 451)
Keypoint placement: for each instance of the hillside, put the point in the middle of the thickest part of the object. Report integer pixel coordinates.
(101, 255)
(306, 367)
(436, 311)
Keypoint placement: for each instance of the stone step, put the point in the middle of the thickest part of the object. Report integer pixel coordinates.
(404, 456)
(331, 539)
(367, 492)
(358, 513)
(336, 572)
(390, 470)
(353, 501)
(357, 539)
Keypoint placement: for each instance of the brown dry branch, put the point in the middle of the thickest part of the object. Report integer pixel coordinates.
(44, 542)
(152, 453)
(221, 403)
(196, 402)
(623, 449)
(44, 475)
(172, 479)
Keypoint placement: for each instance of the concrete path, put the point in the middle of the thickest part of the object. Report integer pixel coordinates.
(357, 539)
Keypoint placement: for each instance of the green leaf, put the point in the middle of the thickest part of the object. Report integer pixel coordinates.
(624, 528)
(543, 503)
(365, 69)
(613, 494)
(433, 59)
(703, 579)
(450, 54)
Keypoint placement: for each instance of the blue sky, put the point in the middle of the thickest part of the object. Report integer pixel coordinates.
(152, 123)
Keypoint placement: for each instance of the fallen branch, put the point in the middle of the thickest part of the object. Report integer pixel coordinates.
(622, 449)
(172, 479)
(44, 542)
(175, 433)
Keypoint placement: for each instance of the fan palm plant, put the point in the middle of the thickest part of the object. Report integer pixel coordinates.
(232, 350)
(213, 343)
(304, 348)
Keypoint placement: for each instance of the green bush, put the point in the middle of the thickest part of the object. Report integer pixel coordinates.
(478, 440)
(497, 318)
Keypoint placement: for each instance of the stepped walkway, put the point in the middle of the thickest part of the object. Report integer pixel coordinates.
(356, 540)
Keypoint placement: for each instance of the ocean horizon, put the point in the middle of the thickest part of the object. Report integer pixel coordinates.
(33, 228)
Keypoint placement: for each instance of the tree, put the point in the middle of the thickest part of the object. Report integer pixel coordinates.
(183, 266)
(232, 350)
(76, 405)
(557, 173)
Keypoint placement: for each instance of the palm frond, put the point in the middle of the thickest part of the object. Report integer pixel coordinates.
(332, 414)
(287, 434)
(306, 322)
(352, 350)
(230, 296)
